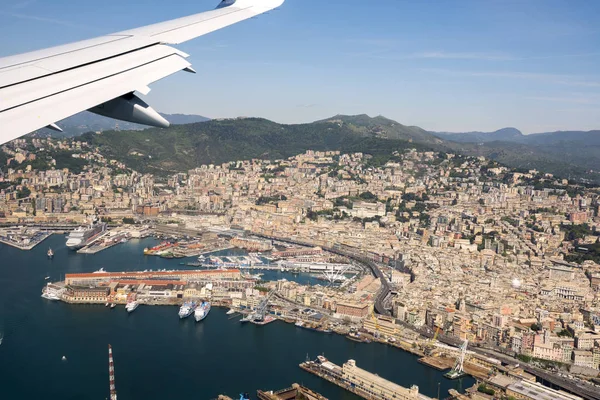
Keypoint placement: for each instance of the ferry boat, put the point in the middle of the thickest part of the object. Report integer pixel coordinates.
(202, 311)
(83, 235)
(50, 253)
(187, 309)
(131, 306)
(52, 292)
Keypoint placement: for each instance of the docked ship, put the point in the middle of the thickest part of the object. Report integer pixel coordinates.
(187, 309)
(132, 305)
(309, 327)
(263, 321)
(83, 235)
(52, 292)
(202, 311)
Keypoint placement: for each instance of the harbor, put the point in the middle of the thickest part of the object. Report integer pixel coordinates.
(223, 342)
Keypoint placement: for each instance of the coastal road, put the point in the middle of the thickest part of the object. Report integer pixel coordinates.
(385, 290)
(585, 390)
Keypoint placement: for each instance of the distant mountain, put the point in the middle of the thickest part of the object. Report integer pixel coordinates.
(583, 138)
(385, 128)
(182, 147)
(90, 122)
(564, 153)
(504, 135)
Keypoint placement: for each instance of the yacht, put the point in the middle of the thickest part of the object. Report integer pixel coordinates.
(131, 306)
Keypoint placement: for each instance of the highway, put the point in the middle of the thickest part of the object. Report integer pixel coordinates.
(385, 290)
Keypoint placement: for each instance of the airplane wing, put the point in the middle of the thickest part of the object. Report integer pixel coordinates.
(38, 89)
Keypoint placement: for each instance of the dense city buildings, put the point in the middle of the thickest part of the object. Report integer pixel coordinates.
(469, 248)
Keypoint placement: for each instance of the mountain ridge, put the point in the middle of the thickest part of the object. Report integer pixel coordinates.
(183, 147)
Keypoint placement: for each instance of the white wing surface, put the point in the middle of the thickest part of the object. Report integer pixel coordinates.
(38, 89)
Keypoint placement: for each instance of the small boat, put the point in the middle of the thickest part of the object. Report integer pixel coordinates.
(231, 311)
(64, 358)
(113, 305)
(46, 278)
(1, 337)
(50, 253)
(247, 318)
(107, 304)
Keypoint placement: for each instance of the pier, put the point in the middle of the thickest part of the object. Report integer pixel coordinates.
(360, 382)
(23, 238)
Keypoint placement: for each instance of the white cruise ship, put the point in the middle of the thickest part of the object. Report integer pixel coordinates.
(52, 292)
(187, 309)
(83, 235)
(202, 311)
(131, 306)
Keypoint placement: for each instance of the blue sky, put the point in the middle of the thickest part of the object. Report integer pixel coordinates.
(442, 65)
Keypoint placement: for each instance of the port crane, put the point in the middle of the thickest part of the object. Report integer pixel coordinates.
(261, 309)
(458, 370)
(429, 346)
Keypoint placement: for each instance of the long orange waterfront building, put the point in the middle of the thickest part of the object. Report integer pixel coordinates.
(185, 276)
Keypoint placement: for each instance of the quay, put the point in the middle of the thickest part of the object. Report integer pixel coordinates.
(295, 392)
(361, 382)
(439, 363)
(23, 238)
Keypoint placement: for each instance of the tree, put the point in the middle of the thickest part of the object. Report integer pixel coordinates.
(367, 196)
(23, 193)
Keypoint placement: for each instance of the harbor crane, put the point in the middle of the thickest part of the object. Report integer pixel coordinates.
(261, 309)
(458, 370)
(431, 343)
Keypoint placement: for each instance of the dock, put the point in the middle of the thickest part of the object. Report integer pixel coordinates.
(295, 392)
(439, 363)
(23, 238)
(354, 379)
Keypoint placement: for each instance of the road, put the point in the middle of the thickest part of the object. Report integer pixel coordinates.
(587, 391)
(385, 290)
